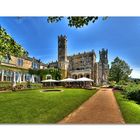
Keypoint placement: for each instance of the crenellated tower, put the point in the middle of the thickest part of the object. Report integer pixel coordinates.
(103, 67)
(62, 56)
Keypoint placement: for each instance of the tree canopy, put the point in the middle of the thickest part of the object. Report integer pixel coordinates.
(119, 70)
(77, 22)
(8, 46)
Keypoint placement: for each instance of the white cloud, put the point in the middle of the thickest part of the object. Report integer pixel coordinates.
(135, 73)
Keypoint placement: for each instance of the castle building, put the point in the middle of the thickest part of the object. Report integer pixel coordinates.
(76, 66)
(81, 64)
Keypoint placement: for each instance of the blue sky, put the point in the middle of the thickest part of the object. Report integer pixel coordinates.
(120, 35)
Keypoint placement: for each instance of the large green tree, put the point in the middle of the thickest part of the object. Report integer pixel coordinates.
(119, 70)
(8, 46)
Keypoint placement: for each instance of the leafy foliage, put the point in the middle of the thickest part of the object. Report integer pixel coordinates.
(77, 22)
(8, 46)
(118, 87)
(132, 92)
(119, 70)
(5, 86)
(55, 73)
(54, 19)
(34, 85)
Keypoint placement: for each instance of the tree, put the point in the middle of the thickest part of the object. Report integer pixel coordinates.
(119, 70)
(77, 22)
(8, 46)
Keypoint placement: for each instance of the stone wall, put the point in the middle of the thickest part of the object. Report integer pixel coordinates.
(82, 61)
(26, 63)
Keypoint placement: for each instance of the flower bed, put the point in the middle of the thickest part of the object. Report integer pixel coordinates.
(20, 86)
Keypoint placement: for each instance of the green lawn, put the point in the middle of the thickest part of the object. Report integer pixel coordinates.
(33, 106)
(130, 110)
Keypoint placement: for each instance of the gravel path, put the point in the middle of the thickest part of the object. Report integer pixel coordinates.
(101, 108)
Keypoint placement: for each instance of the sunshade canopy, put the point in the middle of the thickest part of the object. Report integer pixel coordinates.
(68, 80)
(49, 80)
(84, 79)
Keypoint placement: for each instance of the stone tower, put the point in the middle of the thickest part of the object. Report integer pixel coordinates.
(62, 56)
(103, 67)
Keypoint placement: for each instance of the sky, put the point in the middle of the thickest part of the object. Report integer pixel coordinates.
(120, 35)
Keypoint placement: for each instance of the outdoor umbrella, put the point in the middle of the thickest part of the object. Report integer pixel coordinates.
(84, 80)
(49, 81)
(68, 80)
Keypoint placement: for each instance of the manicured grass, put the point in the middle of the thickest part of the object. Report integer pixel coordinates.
(33, 106)
(130, 110)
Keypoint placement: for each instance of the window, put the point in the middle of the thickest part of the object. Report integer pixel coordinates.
(20, 62)
(8, 75)
(35, 65)
(48, 76)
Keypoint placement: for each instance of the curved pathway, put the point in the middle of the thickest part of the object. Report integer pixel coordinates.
(101, 108)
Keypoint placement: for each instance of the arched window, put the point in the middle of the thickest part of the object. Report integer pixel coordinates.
(80, 75)
(88, 76)
(48, 76)
(74, 76)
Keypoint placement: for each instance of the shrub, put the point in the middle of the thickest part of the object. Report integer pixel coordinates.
(8, 86)
(21, 86)
(118, 87)
(28, 85)
(5, 86)
(112, 84)
(122, 82)
(35, 85)
(132, 92)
